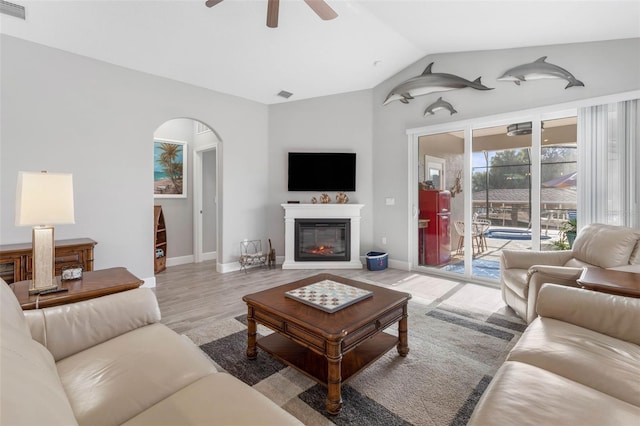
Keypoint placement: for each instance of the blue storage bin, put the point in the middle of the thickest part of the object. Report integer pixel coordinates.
(377, 260)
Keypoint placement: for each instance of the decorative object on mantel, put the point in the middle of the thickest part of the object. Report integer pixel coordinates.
(429, 82)
(439, 105)
(538, 70)
(342, 198)
(314, 200)
(325, 199)
(457, 186)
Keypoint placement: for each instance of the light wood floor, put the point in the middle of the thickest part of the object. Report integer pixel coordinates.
(194, 295)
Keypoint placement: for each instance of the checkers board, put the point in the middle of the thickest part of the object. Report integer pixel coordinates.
(328, 295)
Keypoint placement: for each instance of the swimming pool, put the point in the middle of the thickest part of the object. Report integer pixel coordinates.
(512, 234)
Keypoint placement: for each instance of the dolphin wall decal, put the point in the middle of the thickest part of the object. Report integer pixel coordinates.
(538, 70)
(430, 82)
(439, 105)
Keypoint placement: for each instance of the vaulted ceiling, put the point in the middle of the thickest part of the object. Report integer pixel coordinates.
(228, 47)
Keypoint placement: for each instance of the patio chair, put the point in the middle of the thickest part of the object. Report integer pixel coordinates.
(476, 243)
(481, 226)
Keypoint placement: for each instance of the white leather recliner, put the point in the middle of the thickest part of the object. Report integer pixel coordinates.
(522, 272)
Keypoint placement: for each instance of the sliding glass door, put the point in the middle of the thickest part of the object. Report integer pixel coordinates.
(485, 189)
(439, 208)
(558, 183)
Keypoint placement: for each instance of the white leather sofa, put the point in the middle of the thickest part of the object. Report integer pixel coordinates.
(578, 363)
(108, 361)
(522, 272)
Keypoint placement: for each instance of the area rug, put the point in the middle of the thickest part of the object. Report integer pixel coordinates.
(480, 268)
(453, 356)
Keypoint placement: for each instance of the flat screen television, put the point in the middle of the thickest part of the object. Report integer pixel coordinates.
(322, 171)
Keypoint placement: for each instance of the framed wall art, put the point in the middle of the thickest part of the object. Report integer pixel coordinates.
(169, 168)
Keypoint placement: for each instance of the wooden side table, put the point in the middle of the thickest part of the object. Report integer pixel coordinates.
(612, 282)
(93, 284)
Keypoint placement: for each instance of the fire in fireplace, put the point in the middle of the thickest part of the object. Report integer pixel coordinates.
(322, 240)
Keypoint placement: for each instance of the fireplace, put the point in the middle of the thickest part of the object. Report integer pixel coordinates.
(329, 214)
(322, 240)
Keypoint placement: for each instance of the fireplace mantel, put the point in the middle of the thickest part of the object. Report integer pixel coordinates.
(321, 211)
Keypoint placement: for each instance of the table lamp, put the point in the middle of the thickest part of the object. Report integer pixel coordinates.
(44, 199)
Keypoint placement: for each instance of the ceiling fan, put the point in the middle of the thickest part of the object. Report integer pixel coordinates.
(322, 9)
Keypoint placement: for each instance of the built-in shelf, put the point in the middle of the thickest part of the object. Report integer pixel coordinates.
(160, 241)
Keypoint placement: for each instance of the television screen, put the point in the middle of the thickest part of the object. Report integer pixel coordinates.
(322, 171)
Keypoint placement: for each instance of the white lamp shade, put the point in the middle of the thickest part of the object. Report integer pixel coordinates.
(44, 199)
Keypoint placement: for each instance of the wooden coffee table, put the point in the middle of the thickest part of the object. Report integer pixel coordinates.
(330, 348)
(612, 282)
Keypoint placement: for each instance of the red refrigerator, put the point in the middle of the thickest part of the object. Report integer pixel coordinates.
(435, 239)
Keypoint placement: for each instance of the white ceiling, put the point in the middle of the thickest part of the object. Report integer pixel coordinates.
(228, 48)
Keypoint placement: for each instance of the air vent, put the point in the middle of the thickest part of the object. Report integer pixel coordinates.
(12, 9)
(285, 94)
(201, 128)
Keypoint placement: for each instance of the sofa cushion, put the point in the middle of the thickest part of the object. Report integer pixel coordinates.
(235, 404)
(63, 329)
(609, 314)
(605, 246)
(114, 381)
(596, 360)
(31, 390)
(523, 394)
(576, 263)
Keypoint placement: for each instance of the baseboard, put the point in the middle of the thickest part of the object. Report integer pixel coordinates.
(182, 260)
(235, 266)
(399, 264)
(212, 255)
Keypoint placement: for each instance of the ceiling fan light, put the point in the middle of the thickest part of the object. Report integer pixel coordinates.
(520, 129)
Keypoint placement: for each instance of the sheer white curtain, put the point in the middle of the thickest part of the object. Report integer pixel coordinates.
(608, 161)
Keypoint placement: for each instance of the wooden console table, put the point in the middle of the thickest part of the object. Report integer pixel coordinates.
(16, 260)
(93, 284)
(612, 282)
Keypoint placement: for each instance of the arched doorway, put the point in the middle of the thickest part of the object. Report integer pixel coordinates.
(191, 217)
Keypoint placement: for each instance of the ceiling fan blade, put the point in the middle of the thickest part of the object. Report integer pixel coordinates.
(211, 3)
(322, 9)
(272, 13)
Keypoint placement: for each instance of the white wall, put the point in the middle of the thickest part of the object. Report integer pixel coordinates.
(67, 113)
(604, 67)
(338, 123)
